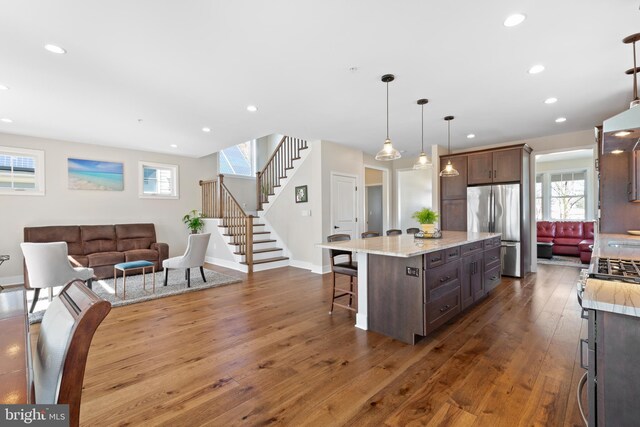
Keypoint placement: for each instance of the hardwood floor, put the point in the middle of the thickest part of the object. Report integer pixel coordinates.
(266, 351)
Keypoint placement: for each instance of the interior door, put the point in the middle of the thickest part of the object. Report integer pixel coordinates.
(343, 205)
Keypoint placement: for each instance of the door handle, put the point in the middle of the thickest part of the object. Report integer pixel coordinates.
(335, 226)
(582, 343)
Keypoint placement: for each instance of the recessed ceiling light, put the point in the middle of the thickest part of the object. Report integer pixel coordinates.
(6, 120)
(3, 87)
(617, 152)
(252, 108)
(206, 130)
(536, 69)
(174, 146)
(54, 49)
(561, 119)
(513, 20)
(622, 133)
(551, 100)
(471, 135)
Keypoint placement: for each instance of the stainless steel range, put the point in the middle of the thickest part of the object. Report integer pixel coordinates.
(624, 270)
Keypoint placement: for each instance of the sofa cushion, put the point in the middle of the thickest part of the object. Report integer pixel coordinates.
(56, 233)
(79, 261)
(98, 238)
(569, 229)
(135, 236)
(584, 245)
(564, 241)
(566, 250)
(105, 258)
(588, 232)
(546, 229)
(141, 255)
(545, 239)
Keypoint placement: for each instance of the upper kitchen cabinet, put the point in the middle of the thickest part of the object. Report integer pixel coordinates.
(634, 176)
(494, 167)
(455, 187)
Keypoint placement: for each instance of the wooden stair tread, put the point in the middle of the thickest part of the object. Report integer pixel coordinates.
(260, 251)
(255, 225)
(264, 261)
(256, 241)
(255, 232)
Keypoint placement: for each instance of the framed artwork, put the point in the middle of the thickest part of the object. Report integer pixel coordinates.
(301, 194)
(95, 175)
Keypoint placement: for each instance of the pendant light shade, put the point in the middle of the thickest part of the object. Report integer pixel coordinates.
(449, 170)
(388, 152)
(423, 161)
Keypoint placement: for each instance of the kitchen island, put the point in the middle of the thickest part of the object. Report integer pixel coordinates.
(408, 287)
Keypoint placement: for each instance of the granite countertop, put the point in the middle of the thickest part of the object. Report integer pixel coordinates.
(609, 295)
(405, 246)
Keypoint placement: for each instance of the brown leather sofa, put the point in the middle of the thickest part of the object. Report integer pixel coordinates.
(102, 246)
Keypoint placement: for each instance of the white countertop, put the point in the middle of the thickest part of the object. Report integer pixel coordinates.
(406, 245)
(610, 295)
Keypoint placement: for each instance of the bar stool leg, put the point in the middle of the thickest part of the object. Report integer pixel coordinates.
(153, 271)
(144, 279)
(124, 284)
(350, 290)
(115, 282)
(333, 291)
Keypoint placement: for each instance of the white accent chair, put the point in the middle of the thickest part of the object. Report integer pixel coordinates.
(48, 266)
(193, 257)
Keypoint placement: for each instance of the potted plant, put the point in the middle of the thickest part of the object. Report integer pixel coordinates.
(427, 218)
(194, 221)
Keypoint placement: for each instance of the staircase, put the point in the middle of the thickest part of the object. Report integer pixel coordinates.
(249, 239)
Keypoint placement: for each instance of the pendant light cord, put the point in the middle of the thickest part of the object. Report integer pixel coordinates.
(449, 137)
(387, 110)
(635, 79)
(422, 146)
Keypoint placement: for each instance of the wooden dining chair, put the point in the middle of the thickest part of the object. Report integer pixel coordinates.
(368, 234)
(413, 230)
(65, 335)
(349, 268)
(394, 232)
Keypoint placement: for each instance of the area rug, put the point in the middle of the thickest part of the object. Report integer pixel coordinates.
(177, 284)
(567, 261)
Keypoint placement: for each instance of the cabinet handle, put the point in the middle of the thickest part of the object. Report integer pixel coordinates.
(494, 257)
(436, 259)
(495, 173)
(444, 279)
(445, 308)
(494, 278)
(582, 343)
(453, 253)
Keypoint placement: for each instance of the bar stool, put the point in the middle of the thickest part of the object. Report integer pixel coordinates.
(368, 234)
(394, 232)
(349, 268)
(413, 230)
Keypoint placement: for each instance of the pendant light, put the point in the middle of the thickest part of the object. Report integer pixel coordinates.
(388, 152)
(449, 170)
(423, 161)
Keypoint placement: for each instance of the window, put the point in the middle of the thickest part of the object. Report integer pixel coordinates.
(21, 171)
(561, 195)
(158, 180)
(238, 160)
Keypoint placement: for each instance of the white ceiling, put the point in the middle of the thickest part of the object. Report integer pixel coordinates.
(564, 155)
(182, 65)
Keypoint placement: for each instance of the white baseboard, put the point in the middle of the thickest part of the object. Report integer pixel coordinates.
(12, 280)
(227, 264)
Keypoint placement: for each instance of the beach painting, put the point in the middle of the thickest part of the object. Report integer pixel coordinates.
(95, 175)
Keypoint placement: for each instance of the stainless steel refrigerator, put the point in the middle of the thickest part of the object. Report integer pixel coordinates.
(496, 209)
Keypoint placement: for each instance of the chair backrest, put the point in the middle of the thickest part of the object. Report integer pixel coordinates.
(413, 230)
(337, 252)
(65, 335)
(368, 234)
(394, 232)
(47, 264)
(196, 249)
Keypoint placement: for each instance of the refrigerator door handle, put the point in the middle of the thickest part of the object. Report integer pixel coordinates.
(492, 212)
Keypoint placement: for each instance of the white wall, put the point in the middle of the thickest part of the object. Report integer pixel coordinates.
(413, 192)
(61, 206)
(301, 232)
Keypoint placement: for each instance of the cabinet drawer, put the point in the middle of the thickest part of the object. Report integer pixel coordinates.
(472, 247)
(441, 279)
(491, 278)
(492, 259)
(435, 259)
(494, 242)
(441, 310)
(452, 254)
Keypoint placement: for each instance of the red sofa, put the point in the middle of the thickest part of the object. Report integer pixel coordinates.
(568, 237)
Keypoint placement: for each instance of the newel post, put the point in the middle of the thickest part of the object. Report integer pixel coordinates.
(220, 196)
(258, 190)
(249, 249)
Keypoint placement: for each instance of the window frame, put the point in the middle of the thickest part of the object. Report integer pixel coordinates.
(176, 180)
(546, 193)
(253, 160)
(40, 173)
